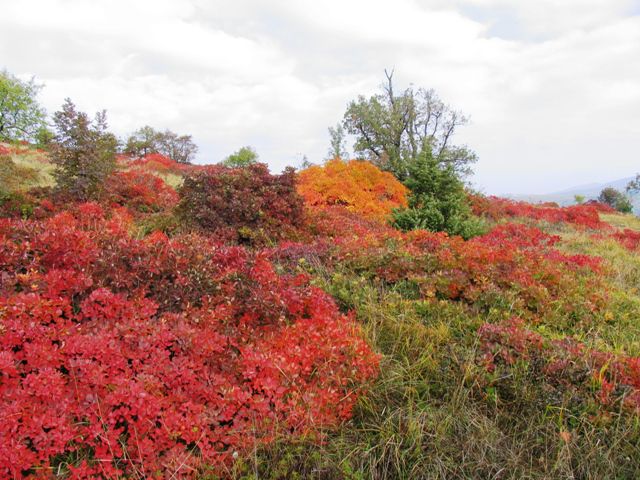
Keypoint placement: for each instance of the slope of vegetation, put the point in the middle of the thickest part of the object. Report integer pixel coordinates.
(331, 345)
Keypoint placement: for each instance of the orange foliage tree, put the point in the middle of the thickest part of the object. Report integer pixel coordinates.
(357, 185)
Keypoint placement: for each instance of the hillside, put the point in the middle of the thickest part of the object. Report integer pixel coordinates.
(251, 325)
(567, 196)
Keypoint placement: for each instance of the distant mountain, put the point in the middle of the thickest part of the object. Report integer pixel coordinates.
(566, 197)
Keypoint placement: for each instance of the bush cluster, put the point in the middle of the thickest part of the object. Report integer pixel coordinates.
(567, 368)
(583, 216)
(139, 191)
(126, 357)
(513, 265)
(158, 163)
(245, 204)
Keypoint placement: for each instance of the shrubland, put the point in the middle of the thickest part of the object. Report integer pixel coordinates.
(133, 357)
(236, 323)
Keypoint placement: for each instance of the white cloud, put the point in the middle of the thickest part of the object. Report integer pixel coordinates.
(552, 17)
(552, 87)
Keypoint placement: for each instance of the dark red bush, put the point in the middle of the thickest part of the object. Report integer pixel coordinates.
(245, 204)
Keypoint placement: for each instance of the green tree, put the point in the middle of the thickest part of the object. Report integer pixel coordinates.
(146, 140)
(177, 147)
(44, 137)
(615, 199)
(391, 129)
(579, 199)
(337, 148)
(242, 158)
(305, 163)
(83, 151)
(438, 201)
(20, 114)
(142, 142)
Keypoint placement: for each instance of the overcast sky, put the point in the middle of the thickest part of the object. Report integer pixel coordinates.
(552, 87)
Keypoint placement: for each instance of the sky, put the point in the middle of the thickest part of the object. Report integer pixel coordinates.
(552, 87)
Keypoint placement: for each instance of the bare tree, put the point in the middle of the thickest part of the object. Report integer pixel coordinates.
(392, 129)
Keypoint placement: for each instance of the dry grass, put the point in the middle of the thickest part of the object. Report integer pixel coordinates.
(620, 220)
(39, 163)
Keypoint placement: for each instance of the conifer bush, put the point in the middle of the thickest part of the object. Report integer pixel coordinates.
(83, 152)
(438, 201)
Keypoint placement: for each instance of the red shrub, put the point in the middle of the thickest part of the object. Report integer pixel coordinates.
(601, 207)
(158, 355)
(508, 342)
(515, 261)
(565, 363)
(139, 191)
(157, 162)
(495, 208)
(629, 239)
(241, 204)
